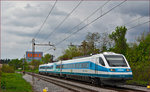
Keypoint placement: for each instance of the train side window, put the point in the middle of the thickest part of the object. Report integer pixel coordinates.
(101, 61)
(76, 65)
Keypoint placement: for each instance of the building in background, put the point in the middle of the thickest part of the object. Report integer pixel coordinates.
(37, 56)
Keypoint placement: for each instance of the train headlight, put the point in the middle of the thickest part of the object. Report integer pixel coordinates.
(112, 70)
(127, 69)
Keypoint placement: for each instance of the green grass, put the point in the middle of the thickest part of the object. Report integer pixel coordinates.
(13, 82)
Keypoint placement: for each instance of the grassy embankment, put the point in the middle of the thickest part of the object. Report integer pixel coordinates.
(13, 82)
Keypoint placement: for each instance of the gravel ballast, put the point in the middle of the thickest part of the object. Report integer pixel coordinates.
(39, 85)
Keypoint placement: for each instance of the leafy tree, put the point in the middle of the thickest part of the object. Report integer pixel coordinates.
(69, 53)
(47, 58)
(16, 63)
(138, 56)
(84, 48)
(120, 41)
(35, 64)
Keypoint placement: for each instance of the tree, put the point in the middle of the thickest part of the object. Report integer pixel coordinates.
(35, 64)
(138, 56)
(92, 39)
(84, 48)
(47, 58)
(69, 53)
(105, 42)
(16, 63)
(119, 38)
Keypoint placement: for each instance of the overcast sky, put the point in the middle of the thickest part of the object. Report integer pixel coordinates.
(21, 20)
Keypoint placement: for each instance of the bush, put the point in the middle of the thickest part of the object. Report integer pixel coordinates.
(7, 69)
(140, 73)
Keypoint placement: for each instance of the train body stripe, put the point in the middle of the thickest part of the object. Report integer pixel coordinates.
(93, 66)
(96, 75)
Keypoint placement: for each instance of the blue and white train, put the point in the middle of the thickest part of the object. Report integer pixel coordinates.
(104, 68)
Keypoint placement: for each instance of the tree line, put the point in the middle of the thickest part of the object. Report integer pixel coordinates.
(137, 53)
(97, 43)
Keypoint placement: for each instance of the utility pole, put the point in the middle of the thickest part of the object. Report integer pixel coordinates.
(33, 52)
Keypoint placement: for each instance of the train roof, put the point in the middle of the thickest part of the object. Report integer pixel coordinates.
(94, 55)
(110, 53)
(82, 57)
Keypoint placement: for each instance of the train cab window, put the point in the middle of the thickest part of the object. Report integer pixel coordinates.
(101, 61)
(116, 60)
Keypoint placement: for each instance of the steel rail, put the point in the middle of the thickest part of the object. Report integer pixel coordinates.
(71, 85)
(62, 83)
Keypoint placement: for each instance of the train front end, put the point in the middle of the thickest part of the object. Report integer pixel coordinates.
(118, 69)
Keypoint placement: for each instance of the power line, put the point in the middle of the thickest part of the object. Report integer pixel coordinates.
(128, 28)
(90, 15)
(89, 23)
(63, 20)
(138, 25)
(133, 20)
(45, 19)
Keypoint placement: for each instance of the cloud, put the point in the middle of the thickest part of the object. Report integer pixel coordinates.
(22, 20)
(135, 8)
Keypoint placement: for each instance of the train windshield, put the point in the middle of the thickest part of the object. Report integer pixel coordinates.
(116, 61)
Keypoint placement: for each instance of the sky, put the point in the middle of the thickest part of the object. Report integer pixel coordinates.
(21, 21)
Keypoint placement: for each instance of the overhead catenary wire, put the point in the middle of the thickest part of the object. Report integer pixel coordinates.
(89, 15)
(138, 25)
(129, 23)
(63, 21)
(133, 20)
(45, 19)
(88, 23)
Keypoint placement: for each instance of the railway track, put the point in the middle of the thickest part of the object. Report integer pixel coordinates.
(81, 87)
